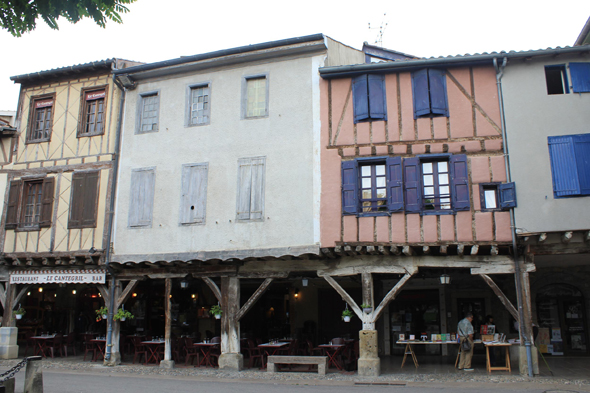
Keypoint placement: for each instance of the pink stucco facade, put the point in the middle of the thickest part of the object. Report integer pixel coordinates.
(472, 128)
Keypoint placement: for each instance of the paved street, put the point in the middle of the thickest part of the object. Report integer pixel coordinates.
(85, 382)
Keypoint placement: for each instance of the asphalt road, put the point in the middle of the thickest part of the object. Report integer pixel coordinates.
(84, 382)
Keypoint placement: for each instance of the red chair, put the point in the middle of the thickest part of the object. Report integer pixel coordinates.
(254, 353)
(55, 344)
(191, 351)
(89, 347)
(139, 349)
(216, 351)
(70, 342)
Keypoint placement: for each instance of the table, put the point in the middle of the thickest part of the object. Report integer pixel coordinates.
(268, 347)
(206, 349)
(101, 344)
(495, 344)
(333, 350)
(410, 351)
(41, 343)
(152, 348)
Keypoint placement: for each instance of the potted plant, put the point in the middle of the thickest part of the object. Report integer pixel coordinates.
(216, 311)
(103, 311)
(367, 308)
(18, 314)
(122, 315)
(346, 315)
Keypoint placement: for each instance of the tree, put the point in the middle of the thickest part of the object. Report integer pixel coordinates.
(20, 16)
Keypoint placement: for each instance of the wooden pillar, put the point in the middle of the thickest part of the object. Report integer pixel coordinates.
(368, 296)
(167, 362)
(7, 320)
(230, 358)
(8, 331)
(369, 364)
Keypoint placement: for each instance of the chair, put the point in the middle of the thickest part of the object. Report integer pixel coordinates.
(89, 347)
(30, 342)
(138, 349)
(216, 352)
(254, 353)
(191, 351)
(70, 342)
(56, 343)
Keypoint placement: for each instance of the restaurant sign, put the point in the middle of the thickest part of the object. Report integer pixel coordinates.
(59, 277)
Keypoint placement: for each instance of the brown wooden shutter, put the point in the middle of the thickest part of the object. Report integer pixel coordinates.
(76, 201)
(13, 202)
(47, 205)
(90, 200)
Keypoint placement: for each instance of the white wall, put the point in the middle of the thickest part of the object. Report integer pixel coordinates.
(285, 138)
(531, 116)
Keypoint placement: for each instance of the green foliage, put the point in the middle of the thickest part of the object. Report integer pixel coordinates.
(122, 314)
(102, 311)
(20, 16)
(364, 305)
(347, 313)
(215, 310)
(20, 311)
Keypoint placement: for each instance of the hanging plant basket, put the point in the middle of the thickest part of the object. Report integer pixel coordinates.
(346, 319)
(18, 316)
(104, 316)
(123, 319)
(366, 308)
(217, 316)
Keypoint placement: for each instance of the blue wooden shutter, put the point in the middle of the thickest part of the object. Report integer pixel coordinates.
(377, 106)
(395, 184)
(412, 184)
(563, 166)
(420, 93)
(350, 181)
(459, 182)
(580, 73)
(507, 195)
(438, 92)
(582, 149)
(360, 98)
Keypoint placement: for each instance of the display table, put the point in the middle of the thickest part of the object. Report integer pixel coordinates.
(410, 351)
(492, 345)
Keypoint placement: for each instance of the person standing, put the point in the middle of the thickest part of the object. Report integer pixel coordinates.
(465, 329)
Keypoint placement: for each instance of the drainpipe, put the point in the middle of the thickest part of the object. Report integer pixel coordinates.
(111, 212)
(517, 271)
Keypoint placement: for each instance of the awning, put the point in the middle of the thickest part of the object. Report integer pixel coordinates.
(58, 277)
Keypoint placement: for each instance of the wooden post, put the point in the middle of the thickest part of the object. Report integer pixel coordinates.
(230, 358)
(7, 320)
(115, 338)
(505, 301)
(167, 362)
(368, 295)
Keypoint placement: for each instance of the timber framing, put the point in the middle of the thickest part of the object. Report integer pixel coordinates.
(555, 243)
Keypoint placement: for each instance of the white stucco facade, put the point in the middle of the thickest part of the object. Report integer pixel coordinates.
(532, 115)
(288, 139)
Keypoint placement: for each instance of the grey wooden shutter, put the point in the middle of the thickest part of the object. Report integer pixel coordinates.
(13, 203)
(142, 197)
(90, 198)
(47, 202)
(244, 188)
(194, 194)
(77, 200)
(257, 189)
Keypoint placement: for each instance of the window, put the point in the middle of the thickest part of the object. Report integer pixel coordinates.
(250, 203)
(148, 112)
(93, 116)
(198, 105)
(255, 93)
(570, 164)
(434, 184)
(497, 196)
(141, 200)
(557, 81)
(84, 200)
(30, 204)
(368, 92)
(429, 89)
(580, 73)
(194, 193)
(41, 119)
(556, 78)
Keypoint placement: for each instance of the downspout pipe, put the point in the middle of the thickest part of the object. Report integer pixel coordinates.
(111, 212)
(517, 271)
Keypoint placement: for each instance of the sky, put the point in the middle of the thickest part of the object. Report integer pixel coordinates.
(156, 30)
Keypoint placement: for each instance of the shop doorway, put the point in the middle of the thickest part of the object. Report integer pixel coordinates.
(561, 310)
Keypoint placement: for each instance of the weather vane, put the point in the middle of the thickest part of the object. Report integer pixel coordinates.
(381, 28)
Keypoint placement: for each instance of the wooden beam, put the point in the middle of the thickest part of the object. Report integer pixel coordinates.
(20, 295)
(426, 250)
(104, 291)
(328, 253)
(390, 296)
(383, 250)
(501, 269)
(361, 250)
(556, 249)
(565, 239)
(460, 249)
(505, 301)
(409, 251)
(542, 237)
(167, 319)
(474, 249)
(338, 250)
(253, 299)
(345, 296)
(2, 295)
(126, 292)
(587, 236)
(443, 249)
(494, 250)
(7, 320)
(395, 250)
(348, 251)
(371, 250)
(214, 288)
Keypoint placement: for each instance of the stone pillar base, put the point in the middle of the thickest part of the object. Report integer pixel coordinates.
(369, 364)
(167, 364)
(231, 361)
(8, 347)
(369, 367)
(523, 366)
(114, 361)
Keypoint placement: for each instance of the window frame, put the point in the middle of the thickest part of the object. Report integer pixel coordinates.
(436, 185)
(139, 111)
(505, 194)
(33, 116)
(262, 187)
(188, 109)
(185, 189)
(17, 200)
(147, 223)
(79, 201)
(568, 169)
(245, 80)
(564, 78)
(483, 187)
(82, 122)
(373, 178)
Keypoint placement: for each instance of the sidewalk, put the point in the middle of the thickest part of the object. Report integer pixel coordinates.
(566, 371)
